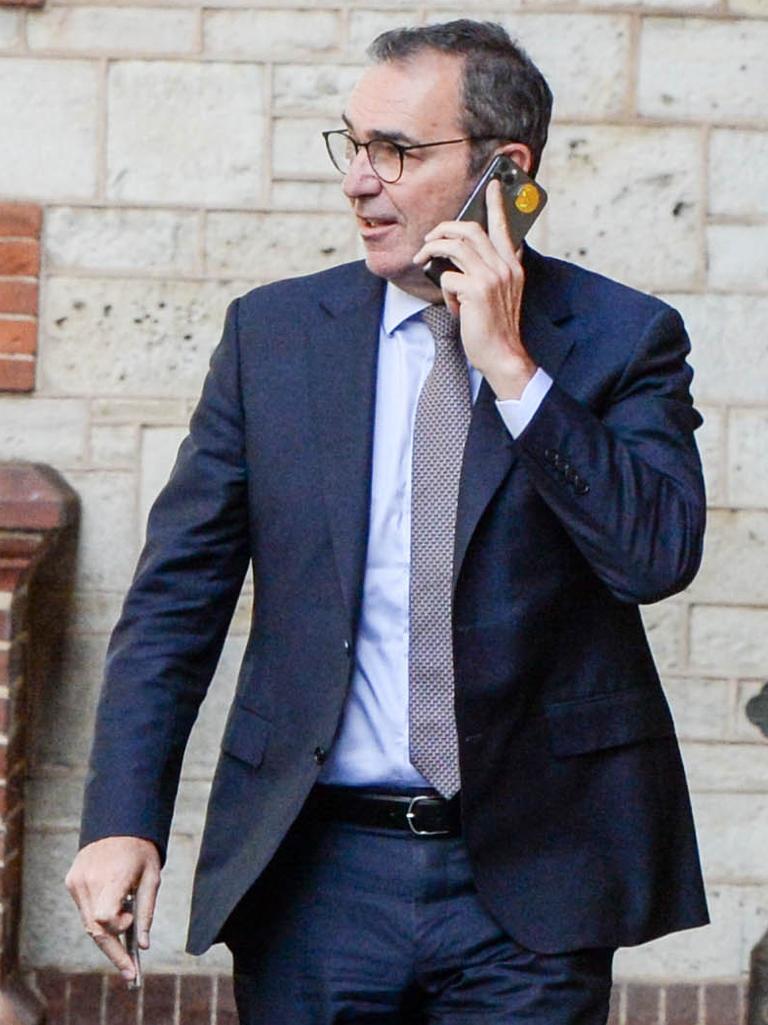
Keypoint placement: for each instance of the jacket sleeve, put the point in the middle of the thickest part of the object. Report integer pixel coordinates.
(626, 482)
(166, 645)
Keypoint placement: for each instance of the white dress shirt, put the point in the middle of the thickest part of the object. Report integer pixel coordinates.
(371, 748)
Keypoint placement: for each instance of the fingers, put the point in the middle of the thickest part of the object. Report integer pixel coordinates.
(146, 895)
(102, 875)
(498, 228)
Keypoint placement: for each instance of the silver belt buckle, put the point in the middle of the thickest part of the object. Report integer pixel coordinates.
(411, 815)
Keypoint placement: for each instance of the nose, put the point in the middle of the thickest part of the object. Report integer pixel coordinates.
(360, 179)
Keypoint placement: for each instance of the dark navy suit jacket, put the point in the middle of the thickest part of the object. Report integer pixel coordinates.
(575, 808)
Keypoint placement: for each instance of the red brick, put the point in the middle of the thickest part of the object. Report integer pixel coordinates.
(85, 999)
(18, 336)
(682, 1005)
(226, 1011)
(722, 1004)
(52, 986)
(20, 220)
(18, 297)
(122, 1003)
(642, 1004)
(195, 999)
(20, 257)
(17, 374)
(160, 1000)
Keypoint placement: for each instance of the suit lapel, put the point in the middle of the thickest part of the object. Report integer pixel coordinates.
(342, 381)
(490, 450)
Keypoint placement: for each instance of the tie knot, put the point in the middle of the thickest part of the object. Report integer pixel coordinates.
(443, 325)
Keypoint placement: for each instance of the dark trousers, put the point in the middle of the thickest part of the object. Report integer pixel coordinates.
(359, 925)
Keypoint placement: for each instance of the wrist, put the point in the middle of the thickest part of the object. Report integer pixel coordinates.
(508, 378)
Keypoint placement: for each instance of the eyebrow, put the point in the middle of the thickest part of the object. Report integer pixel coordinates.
(392, 136)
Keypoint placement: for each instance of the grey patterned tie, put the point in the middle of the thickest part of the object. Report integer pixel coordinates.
(439, 434)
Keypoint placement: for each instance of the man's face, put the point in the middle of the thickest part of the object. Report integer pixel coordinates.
(408, 102)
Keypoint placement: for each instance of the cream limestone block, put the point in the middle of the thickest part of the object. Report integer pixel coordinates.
(683, 6)
(270, 34)
(205, 740)
(664, 625)
(98, 239)
(700, 707)
(169, 929)
(743, 728)
(747, 465)
(131, 338)
(49, 112)
(107, 547)
(365, 25)
(96, 611)
(43, 430)
(139, 411)
(729, 640)
(717, 951)
(738, 256)
(710, 438)
(159, 446)
(729, 335)
(113, 447)
(113, 30)
(273, 246)
(626, 202)
(727, 768)
(185, 132)
(564, 47)
(53, 800)
(298, 149)
(65, 712)
(735, 564)
(733, 832)
(696, 69)
(310, 196)
(9, 29)
(738, 172)
(313, 89)
(757, 8)
(189, 813)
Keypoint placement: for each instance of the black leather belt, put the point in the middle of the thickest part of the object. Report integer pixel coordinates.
(423, 814)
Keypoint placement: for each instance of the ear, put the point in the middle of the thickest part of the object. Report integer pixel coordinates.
(519, 152)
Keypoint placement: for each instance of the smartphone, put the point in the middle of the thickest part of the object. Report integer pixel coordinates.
(524, 199)
(131, 940)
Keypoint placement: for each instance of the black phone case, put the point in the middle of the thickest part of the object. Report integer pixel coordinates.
(524, 199)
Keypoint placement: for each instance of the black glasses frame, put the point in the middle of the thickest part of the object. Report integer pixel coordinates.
(401, 150)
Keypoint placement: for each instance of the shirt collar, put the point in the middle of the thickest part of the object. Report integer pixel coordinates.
(399, 306)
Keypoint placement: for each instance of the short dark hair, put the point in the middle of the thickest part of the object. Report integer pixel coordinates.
(504, 94)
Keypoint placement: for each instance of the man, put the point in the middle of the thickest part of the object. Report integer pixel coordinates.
(449, 785)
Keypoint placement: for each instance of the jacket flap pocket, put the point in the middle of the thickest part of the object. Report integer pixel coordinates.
(245, 736)
(610, 720)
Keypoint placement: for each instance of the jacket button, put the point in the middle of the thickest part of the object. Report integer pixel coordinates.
(550, 455)
(581, 488)
(347, 647)
(320, 755)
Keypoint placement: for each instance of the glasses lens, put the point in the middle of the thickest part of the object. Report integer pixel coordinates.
(341, 150)
(385, 159)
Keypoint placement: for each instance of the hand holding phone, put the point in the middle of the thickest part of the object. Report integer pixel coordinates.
(523, 198)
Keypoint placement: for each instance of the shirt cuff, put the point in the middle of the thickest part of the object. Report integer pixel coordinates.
(518, 413)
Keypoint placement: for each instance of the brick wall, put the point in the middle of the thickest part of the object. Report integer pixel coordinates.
(19, 269)
(176, 151)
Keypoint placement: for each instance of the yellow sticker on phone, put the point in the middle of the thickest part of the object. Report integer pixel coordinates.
(527, 198)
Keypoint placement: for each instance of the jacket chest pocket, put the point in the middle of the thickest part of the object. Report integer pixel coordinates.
(246, 735)
(608, 720)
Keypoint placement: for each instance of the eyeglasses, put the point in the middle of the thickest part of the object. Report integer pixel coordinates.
(384, 156)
